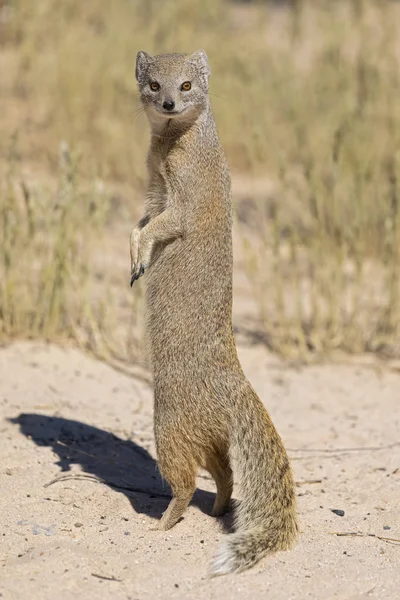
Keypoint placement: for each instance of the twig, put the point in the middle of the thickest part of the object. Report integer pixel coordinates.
(115, 486)
(139, 373)
(313, 456)
(105, 578)
(344, 450)
(76, 476)
(134, 447)
(360, 534)
(308, 481)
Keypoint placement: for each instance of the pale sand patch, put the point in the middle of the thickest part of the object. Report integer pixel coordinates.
(81, 416)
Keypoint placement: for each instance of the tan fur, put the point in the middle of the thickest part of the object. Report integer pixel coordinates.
(206, 413)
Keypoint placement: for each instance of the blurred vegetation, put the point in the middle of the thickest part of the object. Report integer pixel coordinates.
(305, 96)
(44, 253)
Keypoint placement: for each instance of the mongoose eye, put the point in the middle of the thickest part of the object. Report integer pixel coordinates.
(186, 86)
(154, 86)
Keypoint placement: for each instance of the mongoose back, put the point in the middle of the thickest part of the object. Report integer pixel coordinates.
(206, 414)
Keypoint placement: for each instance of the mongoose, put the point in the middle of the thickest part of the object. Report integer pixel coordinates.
(206, 414)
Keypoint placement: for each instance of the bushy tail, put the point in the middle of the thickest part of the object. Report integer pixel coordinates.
(266, 516)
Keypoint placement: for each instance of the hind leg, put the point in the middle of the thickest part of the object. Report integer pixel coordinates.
(221, 472)
(181, 476)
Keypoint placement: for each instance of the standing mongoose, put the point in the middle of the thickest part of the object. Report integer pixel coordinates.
(206, 414)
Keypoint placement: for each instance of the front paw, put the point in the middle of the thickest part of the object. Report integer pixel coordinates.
(136, 272)
(137, 268)
(141, 250)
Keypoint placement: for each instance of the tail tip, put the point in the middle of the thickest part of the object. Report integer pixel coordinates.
(224, 561)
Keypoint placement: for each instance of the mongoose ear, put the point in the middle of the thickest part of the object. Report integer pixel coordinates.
(199, 58)
(143, 59)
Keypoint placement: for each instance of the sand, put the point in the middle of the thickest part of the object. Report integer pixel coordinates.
(68, 420)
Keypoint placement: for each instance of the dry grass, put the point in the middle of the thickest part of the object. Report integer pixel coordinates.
(57, 278)
(305, 96)
(330, 231)
(45, 253)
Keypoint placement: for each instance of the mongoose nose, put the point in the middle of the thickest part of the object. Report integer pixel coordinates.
(169, 105)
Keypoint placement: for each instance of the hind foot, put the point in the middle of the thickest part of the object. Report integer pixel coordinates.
(221, 508)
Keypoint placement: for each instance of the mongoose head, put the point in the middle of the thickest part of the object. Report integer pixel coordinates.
(173, 86)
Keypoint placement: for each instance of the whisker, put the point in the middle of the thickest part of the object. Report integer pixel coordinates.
(137, 113)
(217, 96)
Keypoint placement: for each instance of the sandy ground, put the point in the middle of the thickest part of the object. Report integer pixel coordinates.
(66, 418)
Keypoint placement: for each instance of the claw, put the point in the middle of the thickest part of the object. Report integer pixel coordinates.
(136, 276)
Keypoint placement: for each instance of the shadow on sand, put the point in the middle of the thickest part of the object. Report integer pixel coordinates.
(121, 464)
